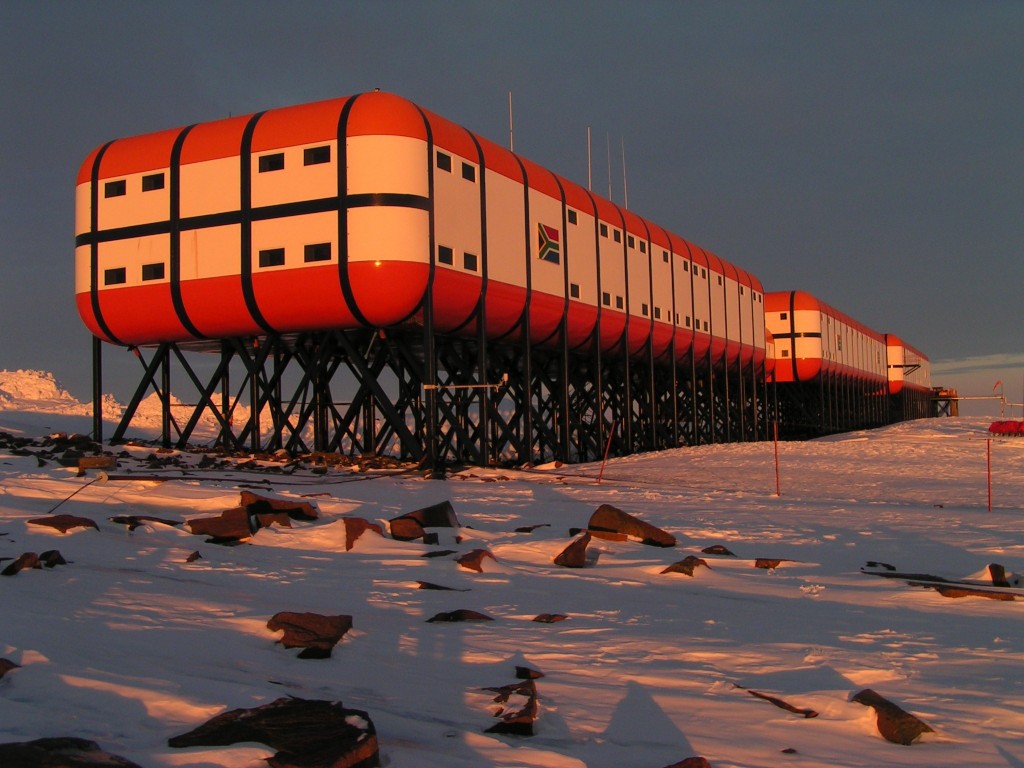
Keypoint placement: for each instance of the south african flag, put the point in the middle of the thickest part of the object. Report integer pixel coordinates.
(547, 243)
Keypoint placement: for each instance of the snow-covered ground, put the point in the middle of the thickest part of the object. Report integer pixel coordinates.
(129, 645)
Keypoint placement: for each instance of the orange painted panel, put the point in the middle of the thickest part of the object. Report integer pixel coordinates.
(302, 124)
(142, 314)
(387, 114)
(307, 298)
(217, 307)
(389, 293)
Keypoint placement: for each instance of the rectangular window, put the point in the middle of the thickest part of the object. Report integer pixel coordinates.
(719, 279)
(115, 188)
(630, 241)
(741, 290)
(115, 276)
(572, 216)
(705, 326)
(703, 273)
(274, 162)
(468, 172)
(469, 261)
(686, 266)
(643, 246)
(617, 235)
(153, 271)
(444, 161)
(785, 353)
(783, 315)
(604, 230)
(317, 252)
(606, 299)
(445, 255)
(643, 307)
(152, 181)
(574, 290)
(687, 321)
(657, 313)
(316, 155)
(618, 302)
(664, 256)
(272, 257)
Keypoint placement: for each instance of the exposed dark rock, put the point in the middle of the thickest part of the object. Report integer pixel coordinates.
(302, 511)
(134, 521)
(230, 525)
(717, 549)
(574, 555)
(768, 563)
(954, 591)
(315, 633)
(525, 673)
(609, 519)
(431, 538)
(808, 713)
(26, 560)
(307, 733)
(894, 723)
(687, 565)
(356, 527)
(516, 715)
(193, 557)
(691, 762)
(531, 528)
(550, 618)
(52, 558)
(59, 752)
(1000, 577)
(461, 614)
(430, 585)
(474, 560)
(64, 523)
(439, 553)
(6, 665)
(876, 564)
(410, 525)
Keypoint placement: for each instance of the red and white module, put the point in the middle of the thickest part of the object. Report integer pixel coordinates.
(350, 213)
(909, 369)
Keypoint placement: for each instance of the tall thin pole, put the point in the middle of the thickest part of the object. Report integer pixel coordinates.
(511, 145)
(589, 179)
(608, 141)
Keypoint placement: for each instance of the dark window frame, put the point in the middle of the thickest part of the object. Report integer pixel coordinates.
(445, 255)
(152, 182)
(271, 257)
(154, 271)
(314, 252)
(316, 155)
(116, 188)
(115, 276)
(271, 162)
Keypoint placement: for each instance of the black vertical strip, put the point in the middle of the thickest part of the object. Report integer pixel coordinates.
(175, 234)
(346, 284)
(94, 249)
(650, 276)
(792, 332)
(597, 267)
(625, 280)
(245, 203)
(484, 272)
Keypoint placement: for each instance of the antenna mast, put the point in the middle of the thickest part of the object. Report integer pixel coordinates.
(511, 146)
(625, 193)
(590, 188)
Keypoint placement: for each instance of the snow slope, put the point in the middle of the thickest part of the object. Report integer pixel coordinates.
(129, 644)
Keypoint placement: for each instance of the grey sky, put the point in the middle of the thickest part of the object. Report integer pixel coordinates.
(871, 153)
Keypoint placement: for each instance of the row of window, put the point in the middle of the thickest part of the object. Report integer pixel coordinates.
(444, 163)
(119, 275)
(119, 187)
(275, 257)
(310, 156)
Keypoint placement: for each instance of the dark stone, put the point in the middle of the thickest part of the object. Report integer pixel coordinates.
(876, 564)
(302, 511)
(405, 529)
(312, 631)
(531, 528)
(438, 553)
(440, 515)
(999, 577)
(59, 752)
(307, 733)
(193, 557)
(550, 618)
(691, 762)
(516, 720)
(525, 673)
(26, 560)
(6, 665)
(230, 525)
(687, 565)
(134, 521)
(52, 558)
(717, 549)
(474, 560)
(574, 555)
(430, 585)
(767, 563)
(609, 519)
(894, 723)
(461, 614)
(431, 538)
(65, 523)
(356, 527)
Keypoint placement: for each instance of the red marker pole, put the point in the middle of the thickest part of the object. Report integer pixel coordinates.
(778, 490)
(988, 462)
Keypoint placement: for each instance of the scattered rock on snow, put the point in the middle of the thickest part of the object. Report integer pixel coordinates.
(134, 521)
(691, 762)
(356, 527)
(316, 634)
(894, 723)
(808, 713)
(461, 614)
(49, 559)
(574, 555)
(64, 523)
(308, 733)
(6, 665)
(409, 526)
(474, 560)
(687, 565)
(717, 549)
(518, 708)
(550, 618)
(60, 752)
(609, 519)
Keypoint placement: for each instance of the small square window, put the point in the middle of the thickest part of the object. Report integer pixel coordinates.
(643, 246)
(606, 299)
(617, 235)
(469, 261)
(152, 181)
(153, 271)
(630, 241)
(115, 276)
(643, 307)
(703, 273)
(705, 326)
(468, 172)
(604, 230)
(618, 302)
(272, 257)
(274, 162)
(572, 216)
(444, 161)
(445, 255)
(574, 290)
(785, 353)
(783, 315)
(316, 155)
(317, 252)
(115, 188)
(657, 313)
